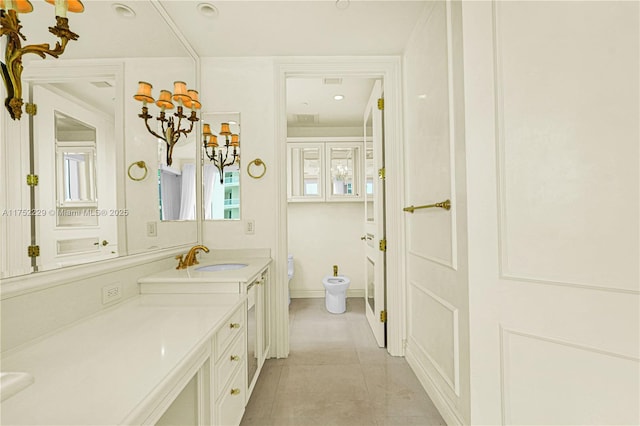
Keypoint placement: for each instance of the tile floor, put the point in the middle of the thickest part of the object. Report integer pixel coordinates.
(336, 375)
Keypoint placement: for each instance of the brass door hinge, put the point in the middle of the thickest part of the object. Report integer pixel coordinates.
(383, 316)
(383, 245)
(381, 104)
(31, 109)
(382, 173)
(32, 180)
(33, 251)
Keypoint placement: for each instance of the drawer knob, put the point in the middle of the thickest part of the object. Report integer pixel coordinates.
(235, 358)
(235, 391)
(234, 325)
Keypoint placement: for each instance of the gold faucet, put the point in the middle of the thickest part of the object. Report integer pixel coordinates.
(335, 270)
(190, 258)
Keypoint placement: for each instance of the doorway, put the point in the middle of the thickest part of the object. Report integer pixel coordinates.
(386, 70)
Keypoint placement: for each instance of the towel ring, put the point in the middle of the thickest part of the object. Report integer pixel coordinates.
(258, 162)
(140, 164)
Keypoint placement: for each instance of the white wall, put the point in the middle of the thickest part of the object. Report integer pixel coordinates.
(322, 235)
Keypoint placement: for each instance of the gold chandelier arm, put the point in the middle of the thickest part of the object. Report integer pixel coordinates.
(146, 122)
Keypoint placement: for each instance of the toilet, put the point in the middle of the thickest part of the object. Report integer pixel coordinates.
(336, 293)
(290, 271)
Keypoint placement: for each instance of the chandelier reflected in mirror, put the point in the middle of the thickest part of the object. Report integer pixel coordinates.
(221, 156)
(169, 127)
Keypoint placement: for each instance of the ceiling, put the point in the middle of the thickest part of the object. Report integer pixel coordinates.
(243, 28)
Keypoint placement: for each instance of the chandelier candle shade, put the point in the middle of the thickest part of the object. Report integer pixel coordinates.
(10, 26)
(221, 156)
(170, 127)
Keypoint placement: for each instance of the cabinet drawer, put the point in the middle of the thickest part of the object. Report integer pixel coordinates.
(230, 361)
(230, 407)
(232, 328)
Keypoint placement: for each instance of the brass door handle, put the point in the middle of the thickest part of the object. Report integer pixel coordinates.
(235, 358)
(234, 325)
(235, 391)
(446, 204)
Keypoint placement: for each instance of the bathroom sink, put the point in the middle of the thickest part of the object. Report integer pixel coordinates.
(12, 383)
(221, 267)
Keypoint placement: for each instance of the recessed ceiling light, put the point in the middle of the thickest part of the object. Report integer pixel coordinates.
(233, 122)
(123, 11)
(338, 97)
(208, 10)
(342, 4)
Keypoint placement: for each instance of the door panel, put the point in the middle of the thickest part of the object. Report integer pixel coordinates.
(552, 114)
(435, 251)
(374, 215)
(68, 237)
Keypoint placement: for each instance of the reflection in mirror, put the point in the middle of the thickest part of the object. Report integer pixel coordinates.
(77, 185)
(221, 196)
(369, 169)
(75, 155)
(344, 170)
(177, 183)
(305, 168)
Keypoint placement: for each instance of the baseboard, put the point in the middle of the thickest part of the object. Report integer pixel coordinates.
(448, 412)
(308, 294)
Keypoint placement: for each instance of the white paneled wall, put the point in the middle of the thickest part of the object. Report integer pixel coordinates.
(322, 235)
(245, 85)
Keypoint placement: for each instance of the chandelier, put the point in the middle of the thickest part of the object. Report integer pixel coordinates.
(10, 26)
(170, 126)
(221, 156)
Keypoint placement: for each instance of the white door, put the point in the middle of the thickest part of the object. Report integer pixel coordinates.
(374, 216)
(435, 250)
(552, 141)
(70, 232)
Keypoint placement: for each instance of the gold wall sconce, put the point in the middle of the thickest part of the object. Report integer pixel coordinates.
(221, 156)
(171, 131)
(10, 26)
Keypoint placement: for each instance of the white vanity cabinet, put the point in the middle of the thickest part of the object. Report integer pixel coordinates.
(239, 347)
(229, 370)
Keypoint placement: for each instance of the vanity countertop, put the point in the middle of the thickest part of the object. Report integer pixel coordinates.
(114, 367)
(191, 275)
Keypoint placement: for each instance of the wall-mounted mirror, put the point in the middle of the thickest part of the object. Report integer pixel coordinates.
(221, 188)
(343, 171)
(76, 182)
(306, 164)
(369, 169)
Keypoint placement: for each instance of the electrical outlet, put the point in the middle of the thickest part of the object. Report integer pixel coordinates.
(152, 230)
(110, 293)
(250, 226)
